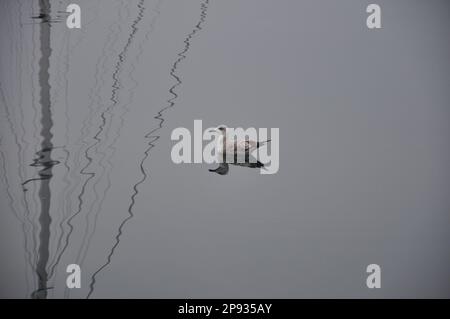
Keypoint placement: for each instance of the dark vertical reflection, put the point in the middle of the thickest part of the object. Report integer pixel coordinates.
(44, 154)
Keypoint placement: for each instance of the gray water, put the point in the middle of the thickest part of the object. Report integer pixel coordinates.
(87, 178)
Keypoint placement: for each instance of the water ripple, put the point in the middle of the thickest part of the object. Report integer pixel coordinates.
(131, 90)
(153, 138)
(100, 71)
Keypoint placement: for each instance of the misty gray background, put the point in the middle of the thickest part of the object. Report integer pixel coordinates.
(364, 149)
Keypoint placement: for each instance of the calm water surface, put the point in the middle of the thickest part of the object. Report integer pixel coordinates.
(87, 178)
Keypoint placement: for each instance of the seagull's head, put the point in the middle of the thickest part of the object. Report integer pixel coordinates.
(221, 129)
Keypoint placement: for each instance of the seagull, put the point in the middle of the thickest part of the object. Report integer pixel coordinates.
(238, 148)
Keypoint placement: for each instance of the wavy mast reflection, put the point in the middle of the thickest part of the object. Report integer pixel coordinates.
(65, 237)
(153, 138)
(45, 159)
(102, 134)
(117, 85)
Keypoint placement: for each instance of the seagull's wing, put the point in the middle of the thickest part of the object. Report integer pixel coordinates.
(240, 147)
(247, 146)
(221, 170)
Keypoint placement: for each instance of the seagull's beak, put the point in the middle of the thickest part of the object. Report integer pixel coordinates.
(212, 130)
